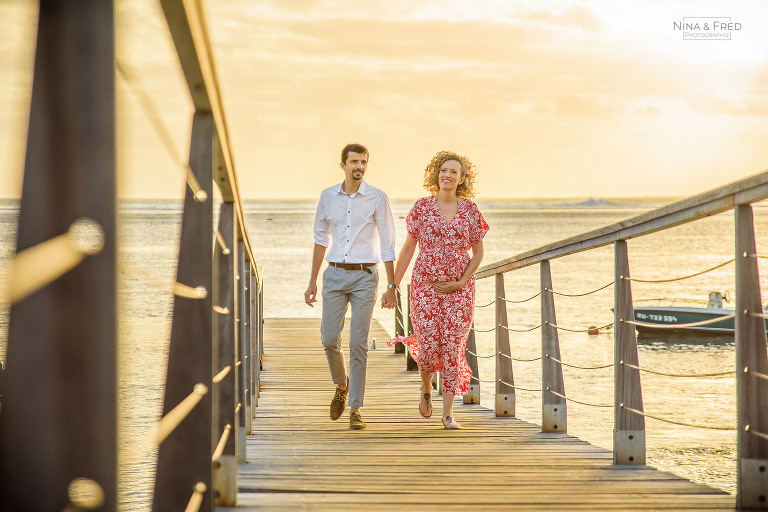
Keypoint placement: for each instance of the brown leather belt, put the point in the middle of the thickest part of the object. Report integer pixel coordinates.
(353, 266)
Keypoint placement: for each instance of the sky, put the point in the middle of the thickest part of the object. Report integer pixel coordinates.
(564, 98)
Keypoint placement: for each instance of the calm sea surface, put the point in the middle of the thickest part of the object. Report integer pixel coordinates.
(282, 237)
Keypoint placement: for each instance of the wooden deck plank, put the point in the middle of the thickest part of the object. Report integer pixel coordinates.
(298, 459)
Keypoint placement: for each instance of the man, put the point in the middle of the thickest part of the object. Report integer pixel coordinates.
(357, 218)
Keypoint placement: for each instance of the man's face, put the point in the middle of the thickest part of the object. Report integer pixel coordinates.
(354, 167)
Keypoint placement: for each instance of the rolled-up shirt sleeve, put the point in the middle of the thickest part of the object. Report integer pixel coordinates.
(385, 225)
(322, 228)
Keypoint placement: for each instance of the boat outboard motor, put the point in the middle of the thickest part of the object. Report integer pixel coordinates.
(715, 300)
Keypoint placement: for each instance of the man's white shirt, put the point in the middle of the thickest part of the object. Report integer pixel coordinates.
(352, 222)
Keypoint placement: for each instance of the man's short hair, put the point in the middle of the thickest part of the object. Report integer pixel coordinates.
(353, 148)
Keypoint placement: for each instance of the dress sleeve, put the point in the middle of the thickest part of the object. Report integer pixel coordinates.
(413, 221)
(477, 226)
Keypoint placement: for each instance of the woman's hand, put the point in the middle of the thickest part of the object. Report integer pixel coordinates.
(447, 286)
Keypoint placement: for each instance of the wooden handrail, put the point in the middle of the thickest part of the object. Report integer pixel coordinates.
(745, 191)
(186, 22)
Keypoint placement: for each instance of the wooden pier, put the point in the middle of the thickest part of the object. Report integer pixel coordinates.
(298, 459)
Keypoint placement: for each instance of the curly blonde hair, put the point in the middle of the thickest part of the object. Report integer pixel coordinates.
(466, 190)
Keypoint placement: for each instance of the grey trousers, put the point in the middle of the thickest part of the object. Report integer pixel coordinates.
(340, 288)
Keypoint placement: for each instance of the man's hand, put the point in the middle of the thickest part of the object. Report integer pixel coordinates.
(389, 299)
(310, 295)
(447, 286)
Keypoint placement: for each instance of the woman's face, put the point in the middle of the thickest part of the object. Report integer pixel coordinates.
(449, 177)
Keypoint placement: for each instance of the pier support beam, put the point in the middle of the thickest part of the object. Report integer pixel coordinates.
(473, 396)
(629, 427)
(58, 426)
(554, 412)
(505, 381)
(183, 458)
(751, 362)
(410, 363)
(399, 325)
(225, 348)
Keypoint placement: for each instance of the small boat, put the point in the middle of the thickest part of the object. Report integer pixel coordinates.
(666, 316)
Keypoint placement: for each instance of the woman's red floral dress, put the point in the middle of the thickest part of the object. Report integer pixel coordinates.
(442, 321)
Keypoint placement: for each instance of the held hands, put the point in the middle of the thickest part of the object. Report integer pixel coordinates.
(447, 286)
(310, 296)
(388, 299)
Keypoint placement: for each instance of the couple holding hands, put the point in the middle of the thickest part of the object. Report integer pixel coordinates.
(355, 219)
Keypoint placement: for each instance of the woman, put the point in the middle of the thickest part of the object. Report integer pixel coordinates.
(446, 225)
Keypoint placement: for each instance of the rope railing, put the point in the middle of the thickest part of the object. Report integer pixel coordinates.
(221, 310)
(486, 305)
(579, 367)
(520, 330)
(747, 428)
(699, 375)
(577, 401)
(560, 328)
(224, 249)
(579, 294)
(170, 421)
(677, 326)
(223, 373)
(521, 301)
(674, 422)
(484, 330)
(178, 289)
(197, 497)
(756, 374)
(222, 442)
(521, 388)
(636, 280)
(165, 138)
(518, 359)
(757, 315)
(481, 357)
(40, 265)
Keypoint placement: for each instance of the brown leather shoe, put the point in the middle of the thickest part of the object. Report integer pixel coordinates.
(339, 402)
(356, 421)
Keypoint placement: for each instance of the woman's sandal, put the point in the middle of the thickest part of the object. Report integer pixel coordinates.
(425, 404)
(450, 423)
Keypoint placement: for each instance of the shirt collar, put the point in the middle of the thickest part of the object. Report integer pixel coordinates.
(361, 190)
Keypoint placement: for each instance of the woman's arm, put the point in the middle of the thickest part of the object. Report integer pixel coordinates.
(474, 263)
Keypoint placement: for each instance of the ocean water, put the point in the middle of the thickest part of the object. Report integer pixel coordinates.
(282, 236)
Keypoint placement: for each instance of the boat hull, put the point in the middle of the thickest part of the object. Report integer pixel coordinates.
(667, 317)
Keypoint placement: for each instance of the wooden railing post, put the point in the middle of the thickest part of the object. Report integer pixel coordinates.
(239, 348)
(58, 424)
(253, 324)
(554, 411)
(751, 359)
(410, 364)
(225, 466)
(473, 396)
(184, 459)
(244, 414)
(505, 394)
(399, 326)
(629, 427)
